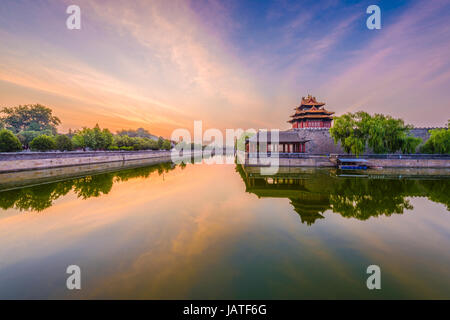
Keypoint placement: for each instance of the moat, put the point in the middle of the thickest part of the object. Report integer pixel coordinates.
(201, 231)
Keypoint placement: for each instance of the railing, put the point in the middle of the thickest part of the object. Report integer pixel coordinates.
(297, 155)
(5, 156)
(415, 156)
(284, 155)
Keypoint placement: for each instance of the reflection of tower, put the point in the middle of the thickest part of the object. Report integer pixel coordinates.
(313, 191)
(306, 195)
(310, 206)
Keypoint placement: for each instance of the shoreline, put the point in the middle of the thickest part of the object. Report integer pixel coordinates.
(29, 161)
(382, 161)
(27, 178)
(26, 161)
(13, 179)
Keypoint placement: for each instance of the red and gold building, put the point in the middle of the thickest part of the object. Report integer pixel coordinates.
(311, 114)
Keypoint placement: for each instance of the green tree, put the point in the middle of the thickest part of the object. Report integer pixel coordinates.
(160, 142)
(9, 142)
(166, 145)
(381, 133)
(389, 135)
(439, 142)
(410, 144)
(26, 137)
(38, 198)
(355, 145)
(63, 143)
(139, 133)
(144, 144)
(78, 139)
(94, 138)
(103, 139)
(351, 130)
(43, 143)
(93, 186)
(123, 141)
(29, 118)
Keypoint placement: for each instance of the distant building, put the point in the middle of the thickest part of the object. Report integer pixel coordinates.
(288, 142)
(309, 133)
(311, 114)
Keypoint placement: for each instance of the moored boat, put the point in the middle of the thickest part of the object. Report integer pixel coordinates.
(352, 164)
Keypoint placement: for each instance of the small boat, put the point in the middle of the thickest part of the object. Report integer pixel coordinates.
(352, 164)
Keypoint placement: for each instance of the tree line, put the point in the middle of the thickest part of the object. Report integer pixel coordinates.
(383, 134)
(41, 197)
(350, 197)
(35, 127)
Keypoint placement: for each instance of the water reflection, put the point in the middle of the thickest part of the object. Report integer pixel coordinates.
(40, 197)
(312, 192)
(193, 232)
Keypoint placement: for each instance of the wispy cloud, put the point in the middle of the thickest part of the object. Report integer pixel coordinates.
(402, 71)
(163, 64)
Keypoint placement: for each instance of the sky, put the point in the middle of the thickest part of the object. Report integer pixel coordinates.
(233, 64)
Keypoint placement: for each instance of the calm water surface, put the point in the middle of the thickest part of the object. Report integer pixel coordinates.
(219, 231)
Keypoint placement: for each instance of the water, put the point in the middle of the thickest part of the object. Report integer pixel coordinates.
(221, 232)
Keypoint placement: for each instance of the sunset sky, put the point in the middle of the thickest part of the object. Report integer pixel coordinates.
(161, 65)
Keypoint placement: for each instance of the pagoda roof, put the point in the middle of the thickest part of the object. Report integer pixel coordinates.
(310, 108)
(311, 116)
(312, 111)
(311, 101)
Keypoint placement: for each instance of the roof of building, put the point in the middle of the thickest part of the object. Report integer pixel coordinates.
(283, 136)
(311, 109)
(312, 116)
(311, 101)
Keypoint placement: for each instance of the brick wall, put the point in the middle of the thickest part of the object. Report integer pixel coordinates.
(322, 143)
(39, 160)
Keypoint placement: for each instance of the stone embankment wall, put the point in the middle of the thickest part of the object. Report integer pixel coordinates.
(317, 161)
(322, 143)
(383, 161)
(40, 160)
(311, 161)
(14, 179)
(410, 163)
